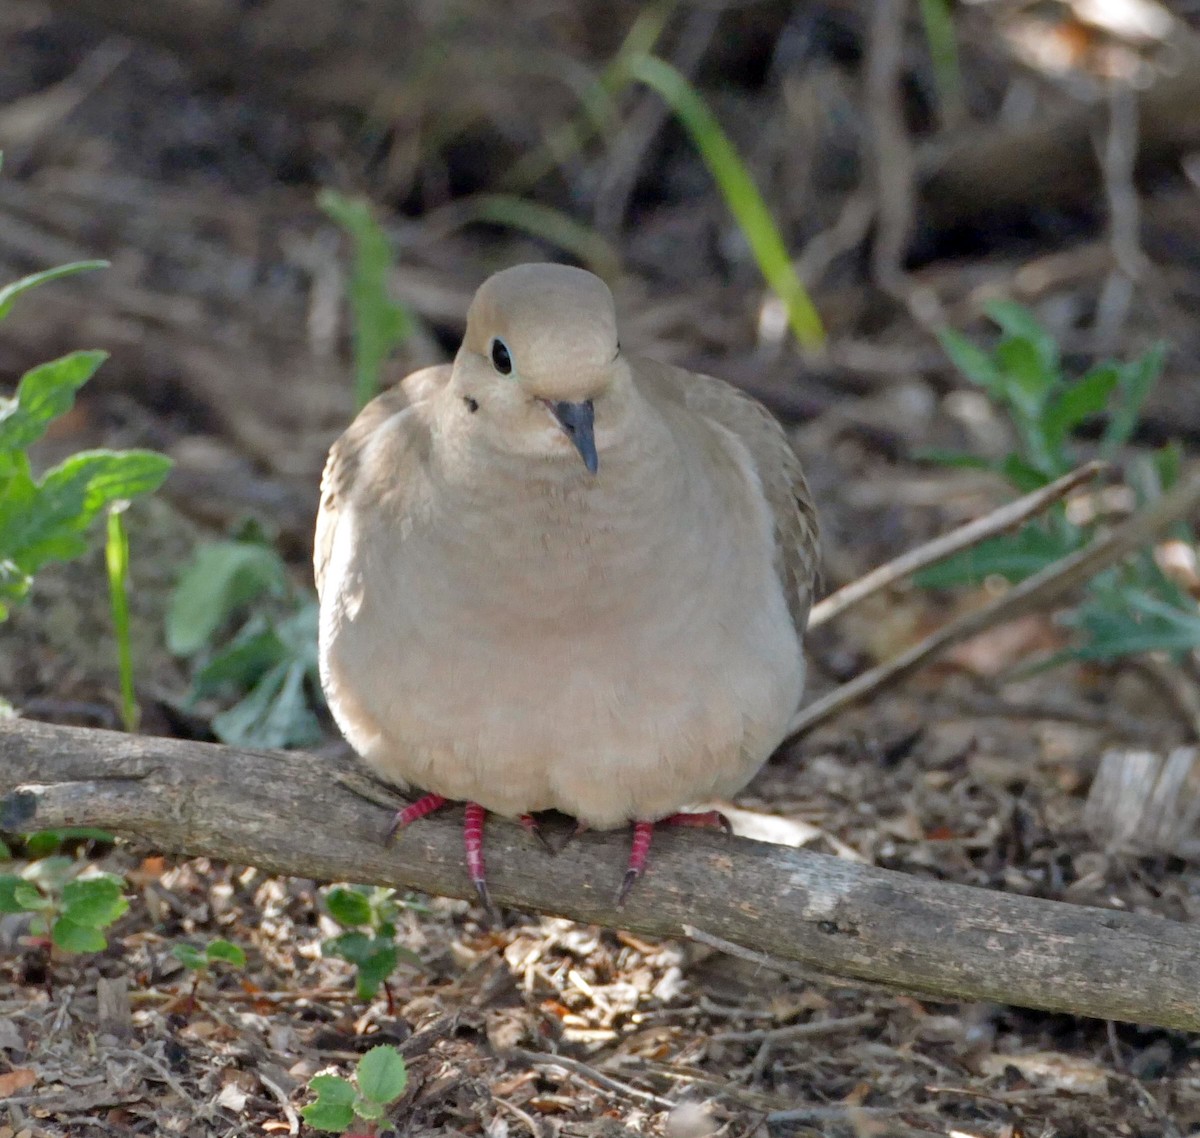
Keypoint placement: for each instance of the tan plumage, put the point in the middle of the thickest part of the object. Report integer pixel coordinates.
(500, 625)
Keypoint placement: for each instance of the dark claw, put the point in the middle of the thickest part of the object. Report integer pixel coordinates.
(530, 823)
(485, 899)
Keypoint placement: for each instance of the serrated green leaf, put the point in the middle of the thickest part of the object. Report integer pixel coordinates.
(333, 1110)
(225, 952)
(222, 576)
(381, 1075)
(93, 901)
(73, 937)
(44, 393)
(10, 293)
(348, 906)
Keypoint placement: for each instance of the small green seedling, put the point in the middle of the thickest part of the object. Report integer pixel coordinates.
(342, 1107)
(374, 952)
(268, 665)
(201, 961)
(71, 908)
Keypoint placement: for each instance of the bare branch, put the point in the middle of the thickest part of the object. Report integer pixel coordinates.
(298, 814)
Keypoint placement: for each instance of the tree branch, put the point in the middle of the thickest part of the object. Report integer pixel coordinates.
(298, 814)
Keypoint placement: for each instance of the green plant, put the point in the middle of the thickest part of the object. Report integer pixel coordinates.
(381, 1079)
(1129, 608)
(268, 666)
(374, 952)
(201, 961)
(71, 903)
(46, 519)
(380, 324)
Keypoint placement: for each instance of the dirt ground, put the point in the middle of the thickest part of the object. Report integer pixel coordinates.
(186, 143)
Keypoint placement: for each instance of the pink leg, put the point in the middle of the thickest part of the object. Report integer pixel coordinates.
(426, 805)
(643, 832)
(473, 839)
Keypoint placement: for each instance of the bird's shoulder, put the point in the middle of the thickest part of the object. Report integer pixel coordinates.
(774, 461)
(377, 453)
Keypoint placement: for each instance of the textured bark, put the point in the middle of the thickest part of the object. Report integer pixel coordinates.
(297, 814)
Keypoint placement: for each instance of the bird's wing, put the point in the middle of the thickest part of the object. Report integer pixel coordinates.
(778, 468)
(345, 463)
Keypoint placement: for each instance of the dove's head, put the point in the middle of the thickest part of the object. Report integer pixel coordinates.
(540, 371)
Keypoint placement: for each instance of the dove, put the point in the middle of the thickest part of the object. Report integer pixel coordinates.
(555, 576)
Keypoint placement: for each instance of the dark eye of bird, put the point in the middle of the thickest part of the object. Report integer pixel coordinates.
(501, 359)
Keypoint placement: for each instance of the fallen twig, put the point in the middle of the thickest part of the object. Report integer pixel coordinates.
(1031, 595)
(947, 545)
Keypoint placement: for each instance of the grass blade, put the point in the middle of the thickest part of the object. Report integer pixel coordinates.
(739, 191)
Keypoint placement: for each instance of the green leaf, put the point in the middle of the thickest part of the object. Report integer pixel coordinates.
(973, 362)
(94, 901)
(44, 393)
(5, 852)
(381, 1075)
(367, 1110)
(253, 651)
(348, 906)
(1018, 323)
(333, 1109)
(1080, 401)
(375, 969)
(10, 293)
(73, 937)
(275, 713)
(1023, 378)
(68, 499)
(9, 901)
(1137, 380)
(222, 576)
(190, 957)
(226, 952)
(1012, 556)
(1024, 476)
(30, 898)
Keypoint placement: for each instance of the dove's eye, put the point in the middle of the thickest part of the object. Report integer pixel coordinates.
(501, 357)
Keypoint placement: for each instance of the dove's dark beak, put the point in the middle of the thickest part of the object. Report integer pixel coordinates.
(578, 421)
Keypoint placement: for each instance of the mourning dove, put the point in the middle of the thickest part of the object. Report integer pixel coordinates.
(554, 576)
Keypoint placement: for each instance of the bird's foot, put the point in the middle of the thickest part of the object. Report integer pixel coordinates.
(473, 840)
(532, 826)
(425, 805)
(643, 832)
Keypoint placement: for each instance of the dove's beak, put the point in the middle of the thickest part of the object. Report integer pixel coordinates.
(578, 422)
